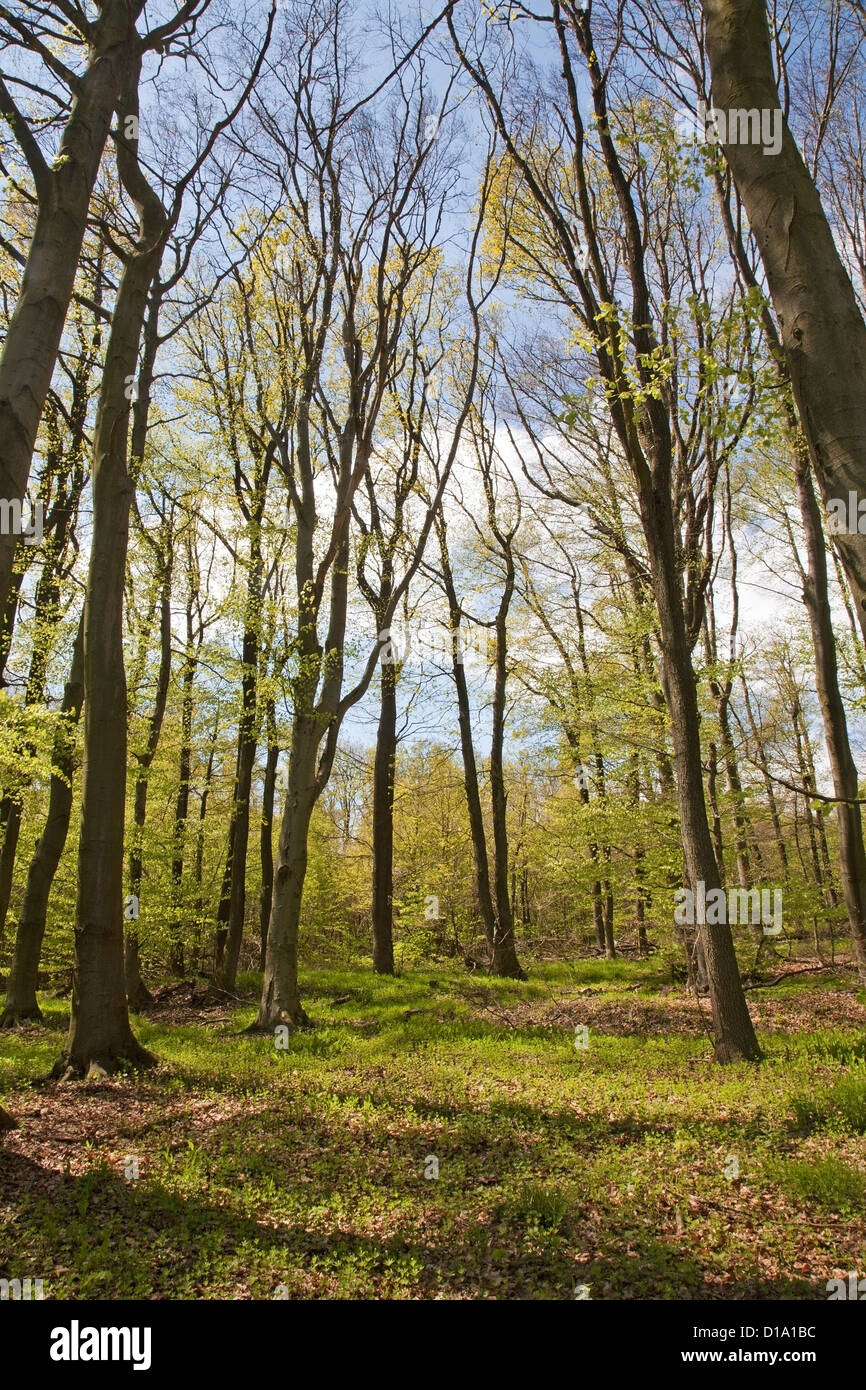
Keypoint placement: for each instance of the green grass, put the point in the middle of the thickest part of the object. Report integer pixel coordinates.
(302, 1171)
(826, 1181)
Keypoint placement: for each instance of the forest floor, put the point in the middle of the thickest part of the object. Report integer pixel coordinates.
(632, 1167)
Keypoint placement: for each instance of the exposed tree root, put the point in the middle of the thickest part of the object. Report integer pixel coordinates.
(80, 1067)
(294, 1021)
(13, 1018)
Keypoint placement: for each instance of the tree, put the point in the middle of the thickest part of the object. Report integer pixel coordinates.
(821, 328)
(21, 1002)
(364, 206)
(63, 187)
(627, 348)
(99, 1031)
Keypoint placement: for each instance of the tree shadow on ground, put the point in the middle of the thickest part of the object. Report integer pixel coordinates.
(114, 1239)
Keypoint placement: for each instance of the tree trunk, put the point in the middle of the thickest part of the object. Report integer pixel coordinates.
(246, 757)
(602, 897)
(21, 1002)
(46, 615)
(33, 335)
(734, 1034)
(765, 775)
(384, 767)
(505, 960)
(478, 836)
(843, 768)
(181, 805)
(198, 868)
(817, 817)
(10, 610)
(11, 817)
(281, 1003)
(137, 993)
(266, 833)
(823, 334)
(99, 1030)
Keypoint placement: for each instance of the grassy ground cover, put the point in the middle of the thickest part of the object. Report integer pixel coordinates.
(632, 1167)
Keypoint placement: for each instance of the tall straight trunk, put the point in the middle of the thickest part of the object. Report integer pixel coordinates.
(505, 960)
(198, 867)
(224, 904)
(767, 780)
(735, 789)
(12, 812)
(713, 798)
(596, 886)
(21, 1001)
(384, 769)
(266, 831)
(810, 780)
(602, 901)
(809, 816)
(314, 722)
(734, 1033)
(47, 611)
(842, 766)
(634, 783)
(99, 1030)
(246, 757)
(281, 1002)
(480, 861)
(63, 192)
(823, 334)
(137, 992)
(181, 805)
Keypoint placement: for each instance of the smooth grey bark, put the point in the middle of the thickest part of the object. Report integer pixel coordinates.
(137, 993)
(478, 835)
(181, 805)
(821, 329)
(246, 755)
(63, 190)
(505, 960)
(852, 858)
(99, 1030)
(266, 830)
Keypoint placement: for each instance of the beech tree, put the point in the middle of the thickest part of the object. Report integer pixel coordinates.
(82, 104)
(821, 328)
(363, 203)
(99, 1031)
(627, 348)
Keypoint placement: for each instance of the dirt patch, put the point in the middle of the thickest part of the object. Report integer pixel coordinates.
(192, 1002)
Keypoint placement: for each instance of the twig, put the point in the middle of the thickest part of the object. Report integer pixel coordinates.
(790, 974)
